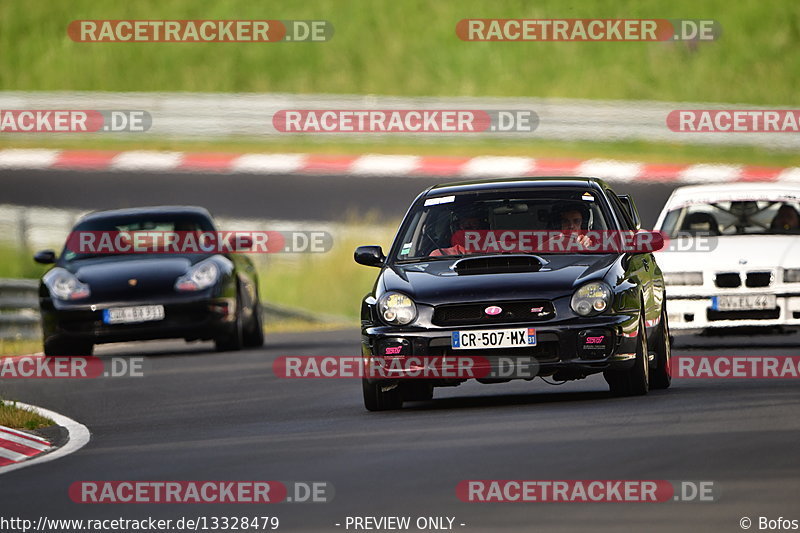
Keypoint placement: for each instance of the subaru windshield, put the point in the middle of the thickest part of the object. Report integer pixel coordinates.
(471, 223)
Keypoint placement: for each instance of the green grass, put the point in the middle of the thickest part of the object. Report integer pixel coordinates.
(633, 151)
(330, 283)
(20, 418)
(18, 263)
(410, 48)
(10, 347)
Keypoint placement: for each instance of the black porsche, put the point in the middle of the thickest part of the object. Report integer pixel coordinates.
(560, 314)
(93, 298)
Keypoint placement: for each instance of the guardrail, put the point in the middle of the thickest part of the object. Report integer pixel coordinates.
(193, 116)
(19, 309)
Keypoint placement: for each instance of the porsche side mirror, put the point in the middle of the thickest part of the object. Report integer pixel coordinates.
(45, 257)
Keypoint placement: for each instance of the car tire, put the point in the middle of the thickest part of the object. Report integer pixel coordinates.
(254, 335)
(660, 376)
(376, 399)
(634, 381)
(67, 348)
(416, 390)
(232, 341)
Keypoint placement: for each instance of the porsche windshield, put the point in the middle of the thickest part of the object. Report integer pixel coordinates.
(740, 217)
(439, 226)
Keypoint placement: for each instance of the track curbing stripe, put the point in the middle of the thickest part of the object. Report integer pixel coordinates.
(79, 436)
(400, 166)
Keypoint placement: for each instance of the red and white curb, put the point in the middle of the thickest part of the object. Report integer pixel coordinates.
(19, 449)
(387, 165)
(17, 446)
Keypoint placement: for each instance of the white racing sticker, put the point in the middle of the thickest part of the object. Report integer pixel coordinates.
(440, 200)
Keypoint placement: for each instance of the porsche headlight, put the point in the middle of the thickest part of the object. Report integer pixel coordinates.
(591, 299)
(791, 275)
(201, 276)
(396, 309)
(65, 286)
(683, 278)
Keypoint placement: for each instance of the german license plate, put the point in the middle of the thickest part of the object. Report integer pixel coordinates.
(744, 302)
(493, 338)
(132, 315)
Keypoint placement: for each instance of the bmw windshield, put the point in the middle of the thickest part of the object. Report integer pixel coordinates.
(739, 217)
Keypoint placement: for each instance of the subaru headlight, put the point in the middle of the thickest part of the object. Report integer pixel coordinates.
(591, 299)
(396, 309)
(791, 275)
(201, 276)
(683, 278)
(65, 286)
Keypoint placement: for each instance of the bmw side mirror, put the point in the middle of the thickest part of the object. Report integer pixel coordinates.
(369, 256)
(45, 257)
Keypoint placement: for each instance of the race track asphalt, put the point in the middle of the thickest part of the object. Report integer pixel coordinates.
(201, 415)
(284, 197)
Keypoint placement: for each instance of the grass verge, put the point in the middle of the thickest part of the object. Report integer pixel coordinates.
(16, 417)
(19, 347)
(16, 262)
(330, 283)
(411, 48)
(629, 150)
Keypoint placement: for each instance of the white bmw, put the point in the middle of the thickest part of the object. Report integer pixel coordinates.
(733, 256)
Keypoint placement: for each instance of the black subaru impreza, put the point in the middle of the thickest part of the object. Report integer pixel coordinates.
(513, 279)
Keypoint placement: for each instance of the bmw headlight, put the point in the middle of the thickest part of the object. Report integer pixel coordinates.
(591, 299)
(683, 278)
(65, 286)
(201, 276)
(791, 275)
(396, 309)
